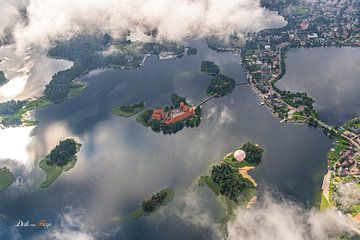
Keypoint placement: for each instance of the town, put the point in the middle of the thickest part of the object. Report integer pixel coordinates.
(343, 177)
(311, 24)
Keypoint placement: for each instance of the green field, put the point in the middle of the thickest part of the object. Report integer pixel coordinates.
(170, 194)
(53, 171)
(324, 204)
(128, 110)
(6, 178)
(207, 181)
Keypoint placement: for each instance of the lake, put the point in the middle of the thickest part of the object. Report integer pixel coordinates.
(331, 76)
(121, 162)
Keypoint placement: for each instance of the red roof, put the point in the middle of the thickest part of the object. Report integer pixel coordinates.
(157, 114)
(180, 117)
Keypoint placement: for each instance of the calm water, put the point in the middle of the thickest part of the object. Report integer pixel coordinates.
(331, 76)
(121, 162)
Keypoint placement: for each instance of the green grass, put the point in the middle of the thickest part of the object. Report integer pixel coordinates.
(140, 212)
(6, 178)
(355, 209)
(207, 181)
(77, 88)
(236, 164)
(119, 112)
(324, 204)
(53, 171)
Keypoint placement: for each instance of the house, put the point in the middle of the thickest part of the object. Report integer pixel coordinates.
(157, 114)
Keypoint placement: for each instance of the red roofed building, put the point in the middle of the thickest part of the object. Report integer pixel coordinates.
(157, 114)
(181, 116)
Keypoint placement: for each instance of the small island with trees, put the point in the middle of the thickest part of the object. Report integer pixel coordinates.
(210, 68)
(6, 178)
(61, 158)
(220, 84)
(128, 110)
(173, 118)
(153, 203)
(230, 180)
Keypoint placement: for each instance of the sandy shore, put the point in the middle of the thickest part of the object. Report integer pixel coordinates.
(244, 171)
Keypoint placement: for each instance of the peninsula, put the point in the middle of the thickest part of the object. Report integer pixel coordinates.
(153, 203)
(128, 110)
(230, 181)
(88, 53)
(6, 178)
(61, 158)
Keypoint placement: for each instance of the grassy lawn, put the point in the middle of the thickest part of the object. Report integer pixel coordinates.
(53, 171)
(6, 178)
(120, 112)
(206, 180)
(77, 88)
(324, 204)
(355, 209)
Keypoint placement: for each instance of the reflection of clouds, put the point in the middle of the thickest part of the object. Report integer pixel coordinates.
(283, 220)
(330, 76)
(73, 225)
(190, 208)
(15, 144)
(226, 116)
(28, 72)
(220, 116)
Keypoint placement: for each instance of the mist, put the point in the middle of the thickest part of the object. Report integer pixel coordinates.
(175, 20)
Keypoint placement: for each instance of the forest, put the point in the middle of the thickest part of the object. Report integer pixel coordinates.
(209, 67)
(220, 85)
(229, 180)
(253, 152)
(63, 153)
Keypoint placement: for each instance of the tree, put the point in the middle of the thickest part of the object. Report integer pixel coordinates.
(253, 152)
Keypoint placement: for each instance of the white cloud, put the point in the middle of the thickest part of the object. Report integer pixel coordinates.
(226, 116)
(283, 220)
(73, 225)
(48, 20)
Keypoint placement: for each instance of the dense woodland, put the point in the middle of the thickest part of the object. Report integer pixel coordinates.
(11, 107)
(220, 85)
(230, 182)
(209, 67)
(63, 153)
(253, 152)
(90, 53)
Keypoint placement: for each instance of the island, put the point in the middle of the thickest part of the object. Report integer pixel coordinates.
(210, 68)
(341, 189)
(6, 178)
(3, 79)
(173, 118)
(15, 113)
(153, 203)
(230, 180)
(61, 158)
(128, 110)
(220, 86)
